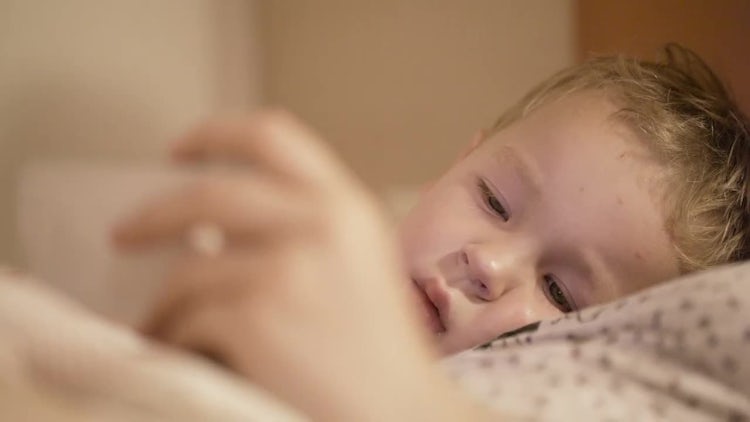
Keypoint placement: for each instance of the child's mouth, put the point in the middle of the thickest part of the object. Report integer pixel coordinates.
(431, 313)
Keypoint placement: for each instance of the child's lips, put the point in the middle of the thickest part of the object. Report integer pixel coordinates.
(431, 300)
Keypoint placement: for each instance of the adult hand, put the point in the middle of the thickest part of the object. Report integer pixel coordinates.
(306, 298)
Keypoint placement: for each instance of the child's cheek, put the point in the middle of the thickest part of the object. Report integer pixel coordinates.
(512, 311)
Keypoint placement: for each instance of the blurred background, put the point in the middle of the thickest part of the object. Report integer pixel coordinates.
(397, 86)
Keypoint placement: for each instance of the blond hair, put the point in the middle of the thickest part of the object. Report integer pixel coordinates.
(691, 124)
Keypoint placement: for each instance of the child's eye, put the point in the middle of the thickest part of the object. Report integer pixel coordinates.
(556, 294)
(492, 201)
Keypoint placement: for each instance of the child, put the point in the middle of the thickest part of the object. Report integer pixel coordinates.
(610, 177)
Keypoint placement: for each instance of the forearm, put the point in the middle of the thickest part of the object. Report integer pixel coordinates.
(416, 393)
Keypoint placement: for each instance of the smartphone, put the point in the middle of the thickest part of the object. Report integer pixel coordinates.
(66, 211)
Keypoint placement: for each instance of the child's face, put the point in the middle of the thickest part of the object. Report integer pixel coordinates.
(558, 211)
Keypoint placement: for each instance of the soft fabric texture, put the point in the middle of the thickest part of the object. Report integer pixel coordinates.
(673, 352)
(677, 351)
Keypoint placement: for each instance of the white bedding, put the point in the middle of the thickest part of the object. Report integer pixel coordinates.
(56, 354)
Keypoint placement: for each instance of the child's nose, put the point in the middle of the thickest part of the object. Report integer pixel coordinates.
(495, 269)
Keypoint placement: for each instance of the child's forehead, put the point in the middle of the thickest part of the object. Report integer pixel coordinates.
(588, 122)
(577, 109)
(574, 144)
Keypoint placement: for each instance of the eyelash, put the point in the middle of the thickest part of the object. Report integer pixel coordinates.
(568, 305)
(491, 200)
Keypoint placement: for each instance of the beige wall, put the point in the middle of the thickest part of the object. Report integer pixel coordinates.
(110, 78)
(399, 86)
(717, 30)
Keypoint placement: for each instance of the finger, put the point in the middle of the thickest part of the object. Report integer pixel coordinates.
(273, 140)
(201, 280)
(241, 206)
(206, 331)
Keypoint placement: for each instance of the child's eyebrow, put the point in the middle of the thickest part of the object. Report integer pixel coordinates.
(526, 168)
